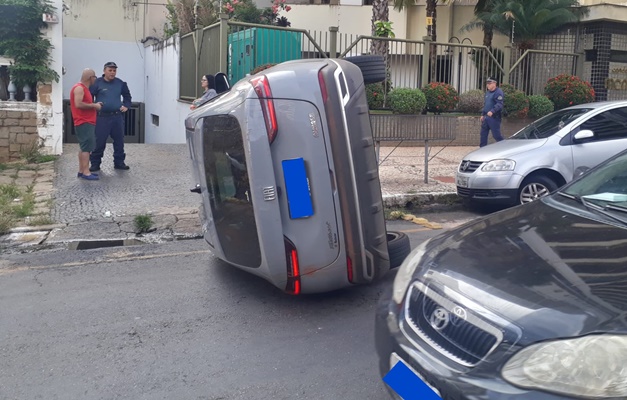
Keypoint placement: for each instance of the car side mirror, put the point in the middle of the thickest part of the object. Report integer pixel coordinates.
(583, 134)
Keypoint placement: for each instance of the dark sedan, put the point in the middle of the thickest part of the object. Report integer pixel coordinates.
(527, 303)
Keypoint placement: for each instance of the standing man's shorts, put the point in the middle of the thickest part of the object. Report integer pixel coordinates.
(86, 135)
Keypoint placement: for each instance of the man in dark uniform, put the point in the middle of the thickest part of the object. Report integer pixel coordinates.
(115, 97)
(491, 113)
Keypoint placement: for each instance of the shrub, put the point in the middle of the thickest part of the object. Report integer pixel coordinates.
(375, 94)
(539, 106)
(406, 101)
(567, 90)
(143, 223)
(516, 103)
(471, 102)
(440, 97)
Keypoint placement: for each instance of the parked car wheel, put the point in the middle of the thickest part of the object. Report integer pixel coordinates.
(398, 248)
(535, 187)
(372, 67)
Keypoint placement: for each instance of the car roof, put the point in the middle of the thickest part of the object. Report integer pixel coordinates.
(599, 104)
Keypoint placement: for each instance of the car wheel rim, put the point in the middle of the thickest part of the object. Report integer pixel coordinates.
(533, 192)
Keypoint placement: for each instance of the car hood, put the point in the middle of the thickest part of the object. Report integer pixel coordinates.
(504, 149)
(551, 272)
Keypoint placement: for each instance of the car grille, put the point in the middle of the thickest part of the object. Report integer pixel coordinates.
(466, 340)
(464, 192)
(468, 166)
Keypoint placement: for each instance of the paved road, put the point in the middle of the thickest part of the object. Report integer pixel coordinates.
(169, 321)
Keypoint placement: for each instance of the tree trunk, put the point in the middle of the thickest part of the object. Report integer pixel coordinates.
(381, 12)
(488, 35)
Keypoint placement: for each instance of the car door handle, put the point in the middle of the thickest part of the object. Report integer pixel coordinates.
(196, 189)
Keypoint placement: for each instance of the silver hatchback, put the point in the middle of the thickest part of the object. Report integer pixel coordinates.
(289, 180)
(544, 155)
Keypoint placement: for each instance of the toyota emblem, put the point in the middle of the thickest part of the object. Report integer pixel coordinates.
(439, 319)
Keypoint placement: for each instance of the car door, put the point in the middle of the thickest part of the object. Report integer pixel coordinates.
(610, 138)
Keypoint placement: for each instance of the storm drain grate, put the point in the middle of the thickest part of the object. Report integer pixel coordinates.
(97, 244)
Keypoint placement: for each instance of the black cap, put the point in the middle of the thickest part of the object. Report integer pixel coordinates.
(110, 64)
(491, 80)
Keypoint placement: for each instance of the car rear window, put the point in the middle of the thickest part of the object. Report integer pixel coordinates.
(229, 190)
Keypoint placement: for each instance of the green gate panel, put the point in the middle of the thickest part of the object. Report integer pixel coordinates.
(250, 48)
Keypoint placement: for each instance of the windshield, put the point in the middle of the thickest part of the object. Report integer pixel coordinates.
(605, 187)
(549, 124)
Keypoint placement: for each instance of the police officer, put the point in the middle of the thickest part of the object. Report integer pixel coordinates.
(491, 113)
(115, 97)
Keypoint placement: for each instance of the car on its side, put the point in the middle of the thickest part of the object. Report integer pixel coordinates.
(286, 167)
(544, 155)
(526, 303)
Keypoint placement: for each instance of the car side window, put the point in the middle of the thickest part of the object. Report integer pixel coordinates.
(609, 125)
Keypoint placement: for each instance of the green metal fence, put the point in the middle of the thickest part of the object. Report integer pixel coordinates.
(238, 48)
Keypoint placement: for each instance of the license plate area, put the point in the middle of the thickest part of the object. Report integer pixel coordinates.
(394, 358)
(461, 181)
(297, 188)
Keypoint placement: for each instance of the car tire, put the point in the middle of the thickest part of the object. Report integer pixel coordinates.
(372, 67)
(535, 187)
(398, 248)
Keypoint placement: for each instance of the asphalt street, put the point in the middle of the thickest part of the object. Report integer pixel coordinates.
(169, 321)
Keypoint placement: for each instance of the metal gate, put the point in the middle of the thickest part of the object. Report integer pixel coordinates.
(133, 124)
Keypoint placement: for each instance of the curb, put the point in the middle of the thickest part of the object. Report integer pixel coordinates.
(169, 227)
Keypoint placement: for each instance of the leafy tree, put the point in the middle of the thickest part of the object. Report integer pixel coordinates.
(22, 39)
(182, 17)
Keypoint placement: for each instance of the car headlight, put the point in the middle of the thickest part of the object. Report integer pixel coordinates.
(406, 272)
(499, 165)
(593, 366)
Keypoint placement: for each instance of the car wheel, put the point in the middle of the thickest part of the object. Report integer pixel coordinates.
(372, 67)
(398, 248)
(535, 187)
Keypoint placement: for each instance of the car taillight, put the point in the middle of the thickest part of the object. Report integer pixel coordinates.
(293, 269)
(262, 88)
(349, 269)
(323, 87)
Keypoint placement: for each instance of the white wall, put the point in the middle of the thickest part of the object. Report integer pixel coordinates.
(117, 20)
(50, 117)
(79, 54)
(162, 92)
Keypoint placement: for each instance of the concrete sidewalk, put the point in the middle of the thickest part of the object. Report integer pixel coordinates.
(158, 184)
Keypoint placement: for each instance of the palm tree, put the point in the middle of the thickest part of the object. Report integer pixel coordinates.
(524, 21)
(431, 29)
(380, 12)
(484, 20)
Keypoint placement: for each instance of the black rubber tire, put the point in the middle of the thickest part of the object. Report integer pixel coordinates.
(372, 67)
(398, 248)
(534, 187)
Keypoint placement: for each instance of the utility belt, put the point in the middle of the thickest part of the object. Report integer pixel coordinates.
(109, 114)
